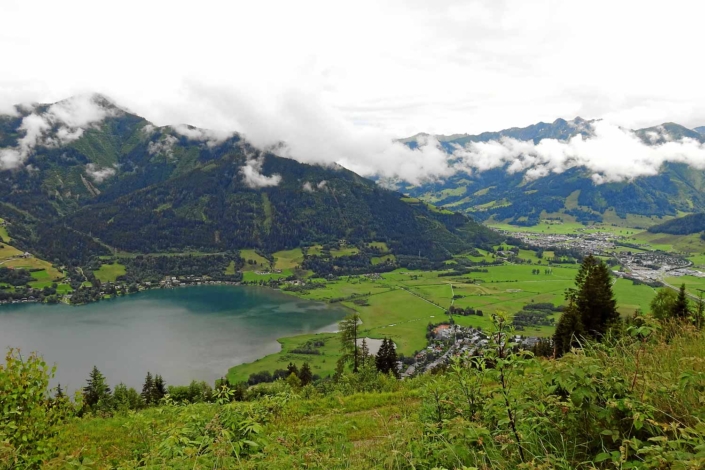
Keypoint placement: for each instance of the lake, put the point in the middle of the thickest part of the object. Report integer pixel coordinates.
(183, 334)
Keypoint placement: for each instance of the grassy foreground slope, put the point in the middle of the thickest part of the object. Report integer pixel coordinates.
(634, 403)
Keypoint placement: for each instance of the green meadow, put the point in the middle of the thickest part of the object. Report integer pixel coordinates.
(109, 272)
(400, 304)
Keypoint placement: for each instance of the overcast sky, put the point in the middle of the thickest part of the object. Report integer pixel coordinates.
(337, 81)
(397, 66)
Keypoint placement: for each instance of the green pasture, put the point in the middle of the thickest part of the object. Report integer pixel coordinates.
(261, 263)
(110, 272)
(288, 259)
(323, 364)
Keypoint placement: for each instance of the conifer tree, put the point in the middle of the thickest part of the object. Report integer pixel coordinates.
(148, 389)
(159, 389)
(593, 297)
(386, 360)
(568, 331)
(292, 369)
(380, 359)
(96, 389)
(681, 307)
(305, 375)
(348, 339)
(364, 352)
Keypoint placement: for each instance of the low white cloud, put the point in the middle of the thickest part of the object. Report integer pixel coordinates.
(611, 154)
(99, 174)
(299, 125)
(307, 187)
(210, 137)
(164, 146)
(322, 184)
(252, 174)
(60, 124)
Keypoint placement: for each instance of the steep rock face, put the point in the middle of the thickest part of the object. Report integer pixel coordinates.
(502, 195)
(88, 177)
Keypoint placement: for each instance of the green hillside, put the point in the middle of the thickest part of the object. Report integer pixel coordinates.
(125, 186)
(632, 403)
(499, 195)
(693, 223)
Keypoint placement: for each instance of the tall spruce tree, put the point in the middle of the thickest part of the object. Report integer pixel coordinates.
(292, 369)
(348, 339)
(568, 332)
(593, 297)
(364, 352)
(159, 389)
(96, 389)
(148, 389)
(681, 307)
(386, 360)
(305, 375)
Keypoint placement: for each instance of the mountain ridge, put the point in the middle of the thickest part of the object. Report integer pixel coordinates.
(94, 180)
(498, 194)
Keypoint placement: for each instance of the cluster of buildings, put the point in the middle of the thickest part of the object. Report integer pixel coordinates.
(452, 340)
(653, 266)
(597, 242)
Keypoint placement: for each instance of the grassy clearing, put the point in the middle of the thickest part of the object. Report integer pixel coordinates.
(250, 276)
(347, 251)
(253, 261)
(11, 257)
(681, 243)
(698, 260)
(382, 259)
(40, 275)
(692, 284)
(323, 364)
(288, 259)
(4, 237)
(109, 272)
(230, 269)
(379, 245)
(631, 297)
(400, 315)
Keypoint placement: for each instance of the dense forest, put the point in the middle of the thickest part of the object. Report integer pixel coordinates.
(693, 223)
(163, 192)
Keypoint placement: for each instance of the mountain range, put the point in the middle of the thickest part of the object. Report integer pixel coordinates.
(498, 194)
(84, 177)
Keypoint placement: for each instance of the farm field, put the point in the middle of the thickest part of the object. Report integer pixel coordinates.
(288, 259)
(322, 364)
(11, 257)
(4, 237)
(252, 276)
(400, 304)
(109, 272)
(253, 261)
(692, 284)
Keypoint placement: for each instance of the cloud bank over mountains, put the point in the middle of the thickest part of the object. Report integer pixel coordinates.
(304, 129)
(60, 124)
(611, 154)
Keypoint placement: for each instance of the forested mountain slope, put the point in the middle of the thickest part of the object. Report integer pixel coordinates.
(685, 225)
(84, 177)
(505, 195)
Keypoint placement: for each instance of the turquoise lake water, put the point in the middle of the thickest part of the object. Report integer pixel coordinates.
(183, 334)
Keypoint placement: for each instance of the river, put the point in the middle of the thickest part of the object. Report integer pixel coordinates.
(183, 334)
